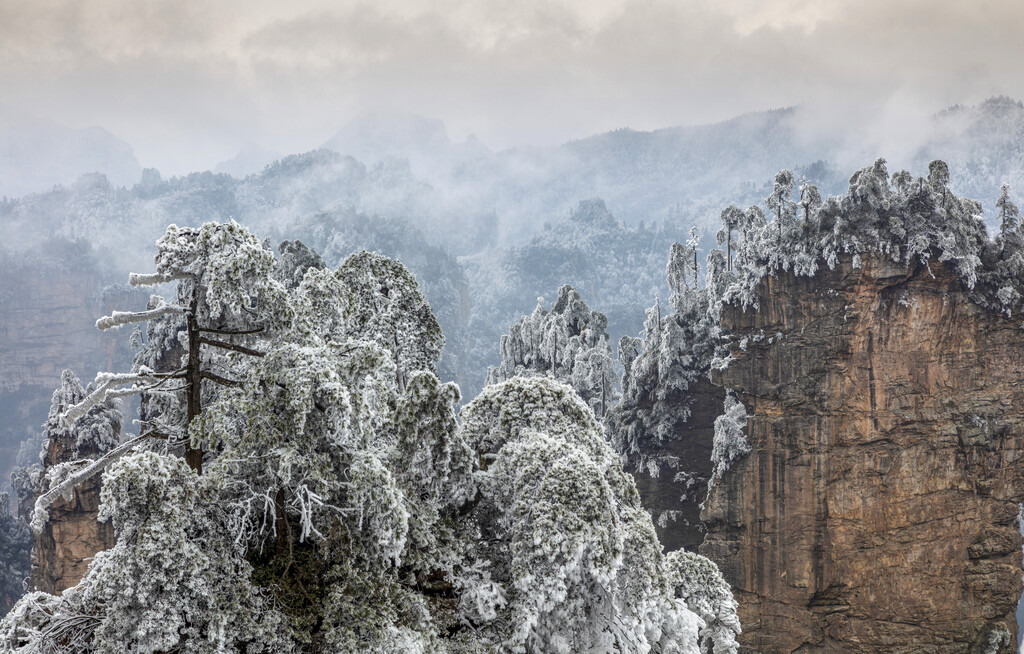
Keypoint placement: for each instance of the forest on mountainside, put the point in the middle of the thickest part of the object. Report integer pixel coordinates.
(486, 233)
(293, 409)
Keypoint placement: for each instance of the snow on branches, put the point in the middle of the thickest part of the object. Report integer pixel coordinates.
(579, 562)
(697, 581)
(730, 442)
(341, 505)
(907, 220)
(171, 582)
(568, 343)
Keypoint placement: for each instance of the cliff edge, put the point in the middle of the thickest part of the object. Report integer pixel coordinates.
(877, 510)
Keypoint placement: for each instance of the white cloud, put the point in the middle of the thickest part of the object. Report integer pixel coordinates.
(188, 82)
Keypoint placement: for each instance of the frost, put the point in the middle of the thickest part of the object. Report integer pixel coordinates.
(567, 342)
(583, 563)
(677, 352)
(729, 443)
(699, 583)
(119, 318)
(337, 499)
(906, 221)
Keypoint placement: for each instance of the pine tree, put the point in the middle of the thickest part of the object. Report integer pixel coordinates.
(1009, 219)
(568, 343)
(732, 221)
(780, 204)
(810, 199)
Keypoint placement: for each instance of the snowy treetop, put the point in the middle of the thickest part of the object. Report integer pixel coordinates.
(899, 217)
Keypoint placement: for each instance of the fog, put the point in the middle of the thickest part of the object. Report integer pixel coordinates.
(481, 143)
(189, 84)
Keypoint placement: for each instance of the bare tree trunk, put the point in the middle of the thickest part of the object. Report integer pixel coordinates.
(194, 386)
(728, 248)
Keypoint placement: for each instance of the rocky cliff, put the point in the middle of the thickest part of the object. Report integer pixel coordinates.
(877, 509)
(72, 535)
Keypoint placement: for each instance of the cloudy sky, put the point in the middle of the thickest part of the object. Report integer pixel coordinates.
(188, 83)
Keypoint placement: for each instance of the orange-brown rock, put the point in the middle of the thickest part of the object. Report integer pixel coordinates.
(72, 535)
(877, 509)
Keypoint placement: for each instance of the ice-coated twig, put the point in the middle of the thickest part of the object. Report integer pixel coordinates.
(43, 502)
(118, 318)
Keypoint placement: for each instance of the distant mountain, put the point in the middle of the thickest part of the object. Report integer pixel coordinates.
(35, 155)
(251, 159)
(984, 147)
(423, 142)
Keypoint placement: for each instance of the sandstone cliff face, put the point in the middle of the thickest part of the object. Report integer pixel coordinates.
(72, 535)
(876, 511)
(62, 552)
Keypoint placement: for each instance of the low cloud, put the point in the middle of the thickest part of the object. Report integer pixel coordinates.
(189, 82)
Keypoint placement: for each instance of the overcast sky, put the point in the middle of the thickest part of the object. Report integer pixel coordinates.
(188, 83)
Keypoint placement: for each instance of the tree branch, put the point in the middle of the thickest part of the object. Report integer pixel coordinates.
(152, 279)
(43, 502)
(231, 346)
(206, 374)
(118, 318)
(230, 332)
(105, 381)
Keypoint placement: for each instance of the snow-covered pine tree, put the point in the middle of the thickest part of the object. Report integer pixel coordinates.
(674, 355)
(1005, 270)
(568, 343)
(697, 581)
(390, 309)
(810, 199)
(780, 204)
(730, 441)
(1009, 220)
(342, 507)
(732, 224)
(570, 561)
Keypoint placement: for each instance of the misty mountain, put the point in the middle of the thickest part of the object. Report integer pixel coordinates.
(423, 142)
(251, 159)
(35, 155)
(486, 233)
(685, 174)
(983, 145)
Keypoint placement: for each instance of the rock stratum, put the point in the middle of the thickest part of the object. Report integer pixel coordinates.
(877, 509)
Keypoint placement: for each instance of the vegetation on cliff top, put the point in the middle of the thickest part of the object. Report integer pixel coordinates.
(898, 217)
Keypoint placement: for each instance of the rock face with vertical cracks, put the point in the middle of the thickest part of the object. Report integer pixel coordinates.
(876, 511)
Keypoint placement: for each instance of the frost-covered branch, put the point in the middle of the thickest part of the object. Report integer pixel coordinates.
(39, 513)
(152, 279)
(105, 381)
(118, 318)
(231, 346)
